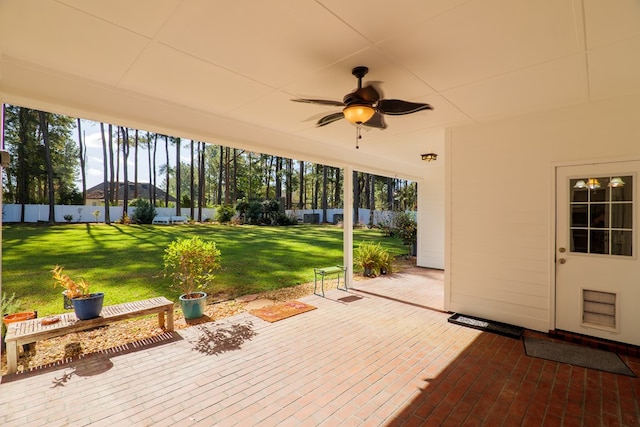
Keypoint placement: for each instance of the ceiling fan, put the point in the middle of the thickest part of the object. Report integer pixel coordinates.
(363, 106)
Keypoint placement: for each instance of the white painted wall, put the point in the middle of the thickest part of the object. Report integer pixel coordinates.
(500, 203)
(431, 207)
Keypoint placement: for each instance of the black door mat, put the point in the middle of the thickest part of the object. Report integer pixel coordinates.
(577, 355)
(503, 329)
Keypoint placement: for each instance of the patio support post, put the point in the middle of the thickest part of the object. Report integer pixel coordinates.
(347, 225)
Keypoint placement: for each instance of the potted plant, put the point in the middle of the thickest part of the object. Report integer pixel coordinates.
(386, 262)
(86, 305)
(371, 257)
(191, 263)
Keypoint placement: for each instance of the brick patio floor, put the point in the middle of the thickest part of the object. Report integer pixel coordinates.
(384, 356)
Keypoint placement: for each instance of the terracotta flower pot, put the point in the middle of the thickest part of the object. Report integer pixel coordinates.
(19, 317)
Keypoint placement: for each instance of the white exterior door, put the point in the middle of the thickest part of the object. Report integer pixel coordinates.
(597, 265)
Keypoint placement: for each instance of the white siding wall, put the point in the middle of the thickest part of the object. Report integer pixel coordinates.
(431, 207)
(500, 198)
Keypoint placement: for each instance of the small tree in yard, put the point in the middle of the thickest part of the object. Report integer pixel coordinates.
(190, 263)
(144, 211)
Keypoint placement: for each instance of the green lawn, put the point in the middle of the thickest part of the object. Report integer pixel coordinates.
(125, 262)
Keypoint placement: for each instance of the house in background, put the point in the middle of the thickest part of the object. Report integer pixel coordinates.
(95, 194)
(531, 100)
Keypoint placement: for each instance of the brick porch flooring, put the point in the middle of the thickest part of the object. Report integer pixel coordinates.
(388, 358)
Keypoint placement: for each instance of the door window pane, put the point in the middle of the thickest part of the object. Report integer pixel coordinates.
(579, 216)
(599, 242)
(579, 241)
(601, 215)
(622, 216)
(621, 243)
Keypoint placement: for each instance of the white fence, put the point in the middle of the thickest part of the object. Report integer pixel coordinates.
(87, 214)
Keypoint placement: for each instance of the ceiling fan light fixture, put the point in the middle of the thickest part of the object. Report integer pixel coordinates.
(358, 113)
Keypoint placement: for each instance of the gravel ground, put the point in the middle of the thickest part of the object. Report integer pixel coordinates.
(56, 350)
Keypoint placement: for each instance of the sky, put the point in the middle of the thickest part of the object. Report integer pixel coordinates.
(95, 161)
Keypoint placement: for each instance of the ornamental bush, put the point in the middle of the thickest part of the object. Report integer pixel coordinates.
(190, 263)
(144, 212)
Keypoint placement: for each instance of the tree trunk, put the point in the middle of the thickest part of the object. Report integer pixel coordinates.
(155, 172)
(112, 168)
(227, 173)
(47, 155)
(125, 170)
(135, 166)
(301, 203)
(105, 183)
(356, 197)
(166, 150)
(372, 199)
(220, 172)
(289, 198)
(278, 184)
(150, 187)
(337, 190)
(192, 179)
(325, 179)
(83, 167)
(118, 167)
(234, 194)
(23, 188)
(178, 180)
(201, 152)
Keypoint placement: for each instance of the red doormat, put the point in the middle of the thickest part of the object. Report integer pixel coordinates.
(276, 312)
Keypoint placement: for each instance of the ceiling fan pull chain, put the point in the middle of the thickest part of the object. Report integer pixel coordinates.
(358, 136)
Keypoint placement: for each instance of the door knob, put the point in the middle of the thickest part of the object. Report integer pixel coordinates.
(562, 260)
(562, 250)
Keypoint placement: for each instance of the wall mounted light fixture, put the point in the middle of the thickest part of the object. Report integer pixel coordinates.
(429, 157)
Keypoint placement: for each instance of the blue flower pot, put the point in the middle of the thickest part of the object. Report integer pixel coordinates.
(192, 308)
(88, 308)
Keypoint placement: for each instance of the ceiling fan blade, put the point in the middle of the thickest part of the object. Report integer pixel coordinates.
(330, 119)
(397, 107)
(320, 101)
(377, 121)
(368, 93)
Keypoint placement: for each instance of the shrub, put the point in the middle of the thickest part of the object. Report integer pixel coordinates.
(371, 257)
(190, 263)
(144, 211)
(68, 217)
(9, 304)
(125, 220)
(406, 228)
(224, 213)
(254, 212)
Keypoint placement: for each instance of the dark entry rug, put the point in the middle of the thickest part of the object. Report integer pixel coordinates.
(503, 329)
(577, 355)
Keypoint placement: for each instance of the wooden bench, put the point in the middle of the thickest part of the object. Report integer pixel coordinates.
(167, 220)
(161, 220)
(324, 271)
(30, 331)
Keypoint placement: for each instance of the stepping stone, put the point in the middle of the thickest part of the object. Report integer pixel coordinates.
(247, 298)
(259, 303)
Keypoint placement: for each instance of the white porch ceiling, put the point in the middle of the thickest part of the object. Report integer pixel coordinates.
(225, 71)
